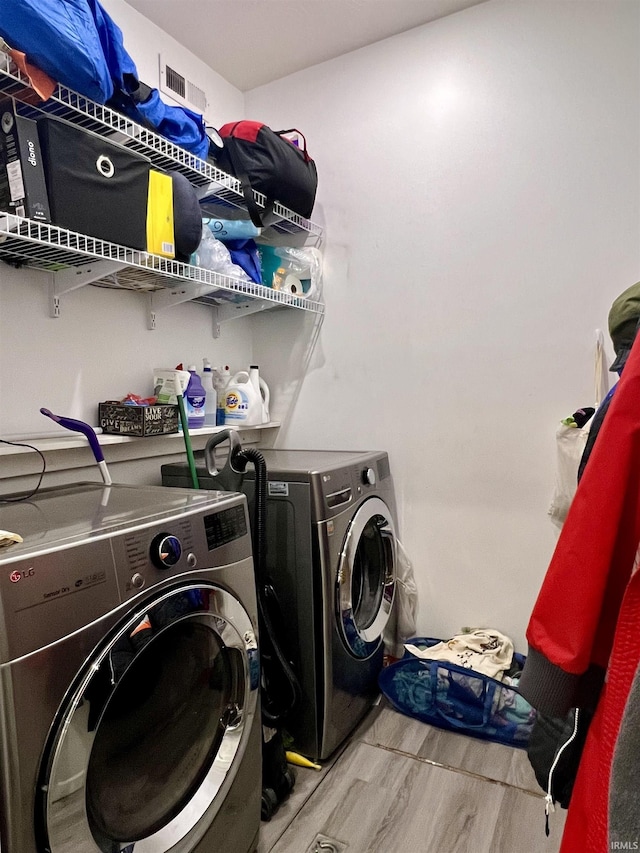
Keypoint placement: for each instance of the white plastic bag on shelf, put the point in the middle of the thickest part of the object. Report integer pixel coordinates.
(304, 264)
(571, 441)
(402, 623)
(297, 271)
(214, 255)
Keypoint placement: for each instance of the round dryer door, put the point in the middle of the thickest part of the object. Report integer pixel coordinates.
(148, 742)
(366, 578)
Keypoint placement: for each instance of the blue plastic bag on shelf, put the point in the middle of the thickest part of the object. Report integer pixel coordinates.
(59, 37)
(457, 698)
(244, 253)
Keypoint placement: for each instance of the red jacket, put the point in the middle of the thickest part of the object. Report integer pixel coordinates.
(588, 599)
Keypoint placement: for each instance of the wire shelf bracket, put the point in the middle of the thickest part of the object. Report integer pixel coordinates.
(160, 300)
(72, 278)
(163, 299)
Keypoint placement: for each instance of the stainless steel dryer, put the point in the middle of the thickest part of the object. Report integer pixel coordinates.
(331, 552)
(129, 673)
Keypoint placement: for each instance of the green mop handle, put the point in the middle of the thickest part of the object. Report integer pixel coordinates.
(187, 442)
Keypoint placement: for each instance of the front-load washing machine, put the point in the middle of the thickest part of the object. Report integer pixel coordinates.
(129, 673)
(331, 554)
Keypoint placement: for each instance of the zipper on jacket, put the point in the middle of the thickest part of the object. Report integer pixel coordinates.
(548, 800)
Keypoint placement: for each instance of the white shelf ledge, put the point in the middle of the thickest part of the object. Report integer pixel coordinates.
(73, 441)
(72, 451)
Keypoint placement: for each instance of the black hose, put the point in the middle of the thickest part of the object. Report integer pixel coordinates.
(277, 672)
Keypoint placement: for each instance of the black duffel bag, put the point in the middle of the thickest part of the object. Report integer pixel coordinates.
(264, 160)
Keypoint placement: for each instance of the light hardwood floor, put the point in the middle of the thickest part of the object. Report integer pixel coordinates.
(400, 786)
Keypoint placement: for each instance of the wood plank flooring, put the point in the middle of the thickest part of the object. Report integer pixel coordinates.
(400, 786)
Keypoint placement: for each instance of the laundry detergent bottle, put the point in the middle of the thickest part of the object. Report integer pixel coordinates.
(244, 404)
(261, 387)
(221, 377)
(195, 398)
(211, 399)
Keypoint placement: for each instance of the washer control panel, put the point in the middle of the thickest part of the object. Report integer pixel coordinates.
(149, 555)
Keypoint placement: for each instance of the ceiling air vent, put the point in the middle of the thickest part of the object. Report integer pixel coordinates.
(175, 82)
(180, 88)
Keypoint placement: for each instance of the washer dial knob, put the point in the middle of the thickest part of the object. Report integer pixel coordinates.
(369, 476)
(166, 550)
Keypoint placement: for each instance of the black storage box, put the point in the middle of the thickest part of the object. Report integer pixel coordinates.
(118, 419)
(95, 187)
(23, 190)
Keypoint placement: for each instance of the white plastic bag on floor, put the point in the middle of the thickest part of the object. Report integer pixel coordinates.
(402, 623)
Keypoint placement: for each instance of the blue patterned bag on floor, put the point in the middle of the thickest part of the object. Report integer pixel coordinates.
(457, 698)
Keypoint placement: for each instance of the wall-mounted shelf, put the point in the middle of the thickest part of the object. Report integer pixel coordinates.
(75, 260)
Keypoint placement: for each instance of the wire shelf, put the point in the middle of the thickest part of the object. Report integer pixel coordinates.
(75, 108)
(24, 242)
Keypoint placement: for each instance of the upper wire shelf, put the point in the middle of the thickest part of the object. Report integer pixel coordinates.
(75, 108)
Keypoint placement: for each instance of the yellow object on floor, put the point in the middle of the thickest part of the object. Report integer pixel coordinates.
(301, 761)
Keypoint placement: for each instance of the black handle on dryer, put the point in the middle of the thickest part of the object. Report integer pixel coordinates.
(232, 471)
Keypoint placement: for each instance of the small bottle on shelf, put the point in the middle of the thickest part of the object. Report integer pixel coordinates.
(211, 400)
(221, 376)
(195, 397)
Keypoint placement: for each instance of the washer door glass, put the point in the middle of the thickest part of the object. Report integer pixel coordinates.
(153, 727)
(366, 578)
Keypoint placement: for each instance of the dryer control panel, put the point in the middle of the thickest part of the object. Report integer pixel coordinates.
(346, 485)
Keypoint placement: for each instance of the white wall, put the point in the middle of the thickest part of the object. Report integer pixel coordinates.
(480, 183)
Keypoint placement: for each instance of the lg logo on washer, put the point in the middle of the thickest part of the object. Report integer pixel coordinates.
(14, 577)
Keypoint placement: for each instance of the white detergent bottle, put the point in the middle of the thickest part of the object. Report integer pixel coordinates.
(261, 387)
(221, 377)
(211, 400)
(243, 401)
